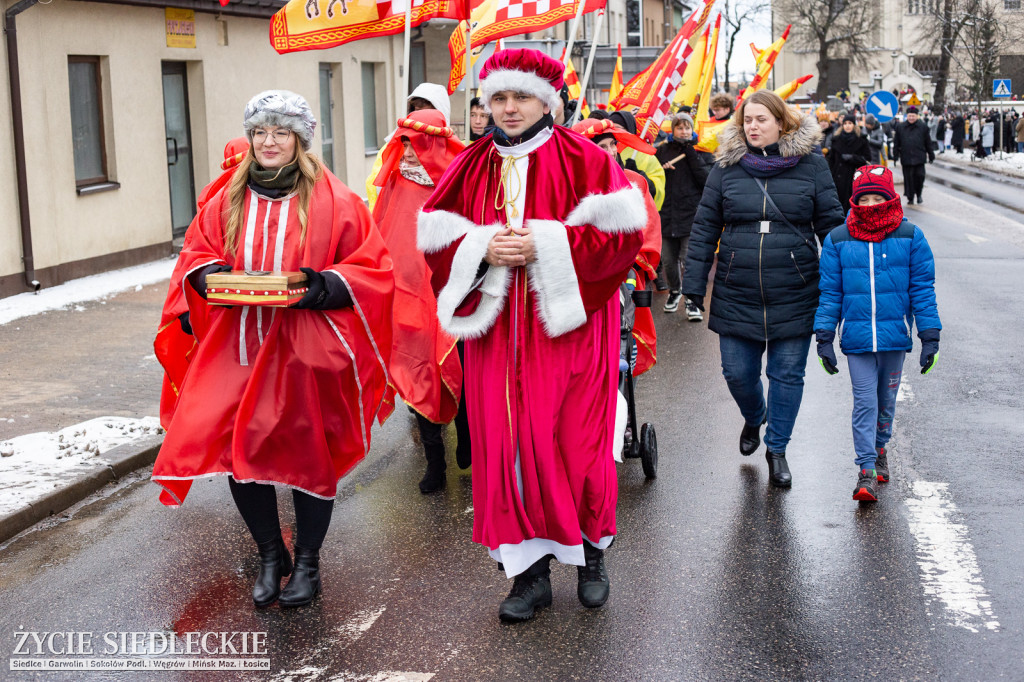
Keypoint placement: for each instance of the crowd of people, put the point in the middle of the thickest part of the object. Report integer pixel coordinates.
(484, 286)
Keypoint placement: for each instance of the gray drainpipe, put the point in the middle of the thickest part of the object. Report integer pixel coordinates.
(17, 123)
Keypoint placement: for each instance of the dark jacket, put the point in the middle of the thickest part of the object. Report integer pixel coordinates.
(683, 187)
(766, 285)
(873, 291)
(912, 145)
(958, 131)
(876, 141)
(849, 152)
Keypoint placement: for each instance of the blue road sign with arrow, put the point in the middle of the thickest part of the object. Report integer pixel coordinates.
(883, 105)
(1001, 88)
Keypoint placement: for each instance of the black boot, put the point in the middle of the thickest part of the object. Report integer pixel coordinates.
(531, 590)
(275, 563)
(750, 438)
(778, 469)
(593, 585)
(434, 479)
(305, 581)
(882, 465)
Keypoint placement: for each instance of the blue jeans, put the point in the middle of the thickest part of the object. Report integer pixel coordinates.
(1020, 147)
(876, 381)
(741, 366)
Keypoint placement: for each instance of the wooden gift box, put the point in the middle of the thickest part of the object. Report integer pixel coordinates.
(242, 287)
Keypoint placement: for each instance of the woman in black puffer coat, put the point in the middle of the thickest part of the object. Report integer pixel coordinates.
(766, 283)
(849, 152)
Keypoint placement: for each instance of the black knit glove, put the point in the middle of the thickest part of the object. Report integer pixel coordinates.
(198, 278)
(826, 351)
(325, 293)
(186, 323)
(929, 348)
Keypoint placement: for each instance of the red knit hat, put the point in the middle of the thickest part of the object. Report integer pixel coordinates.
(522, 70)
(873, 180)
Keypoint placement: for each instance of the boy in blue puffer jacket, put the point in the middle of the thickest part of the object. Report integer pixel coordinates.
(877, 276)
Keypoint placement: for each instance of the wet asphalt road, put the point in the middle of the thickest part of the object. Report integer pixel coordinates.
(715, 575)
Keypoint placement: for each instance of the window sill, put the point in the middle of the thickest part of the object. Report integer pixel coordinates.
(97, 188)
(371, 152)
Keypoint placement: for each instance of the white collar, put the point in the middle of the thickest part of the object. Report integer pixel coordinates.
(524, 148)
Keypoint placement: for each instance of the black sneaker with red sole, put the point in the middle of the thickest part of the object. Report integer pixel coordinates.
(865, 490)
(882, 466)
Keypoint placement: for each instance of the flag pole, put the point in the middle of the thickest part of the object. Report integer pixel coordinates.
(468, 79)
(408, 48)
(572, 31)
(590, 67)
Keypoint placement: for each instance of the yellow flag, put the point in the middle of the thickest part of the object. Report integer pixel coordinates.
(690, 85)
(706, 128)
(616, 86)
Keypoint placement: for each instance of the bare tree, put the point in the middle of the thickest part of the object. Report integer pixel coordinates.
(736, 14)
(833, 29)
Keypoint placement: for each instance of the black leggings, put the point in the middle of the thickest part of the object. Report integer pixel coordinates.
(257, 503)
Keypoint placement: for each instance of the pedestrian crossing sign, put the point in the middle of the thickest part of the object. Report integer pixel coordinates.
(1001, 88)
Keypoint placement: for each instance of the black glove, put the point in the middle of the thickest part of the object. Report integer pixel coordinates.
(198, 278)
(931, 158)
(696, 300)
(929, 348)
(186, 323)
(826, 352)
(325, 293)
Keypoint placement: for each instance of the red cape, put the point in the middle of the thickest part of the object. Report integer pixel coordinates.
(293, 404)
(644, 333)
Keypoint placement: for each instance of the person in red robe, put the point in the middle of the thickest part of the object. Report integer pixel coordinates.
(424, 370)
(612, 138)
(529, 234)
(281, 395)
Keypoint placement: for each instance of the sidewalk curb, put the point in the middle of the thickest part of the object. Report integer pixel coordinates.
(120, 461)
(994, 176)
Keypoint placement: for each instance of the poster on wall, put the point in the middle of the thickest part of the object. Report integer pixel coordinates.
(180, 27)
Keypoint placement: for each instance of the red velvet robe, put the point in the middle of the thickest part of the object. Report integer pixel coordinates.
(644, 333)
(281, 395)
(541, 355)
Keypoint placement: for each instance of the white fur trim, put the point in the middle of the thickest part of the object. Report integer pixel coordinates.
(620, 211)
(462, 280)
(553, 279)
(436, 230)
(518, 81)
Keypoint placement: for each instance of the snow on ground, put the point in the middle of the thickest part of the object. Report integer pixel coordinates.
(34, 464)
(85, 289)
(1010, 164)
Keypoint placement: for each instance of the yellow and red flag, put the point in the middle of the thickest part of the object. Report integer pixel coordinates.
(572, 81)
(616, 86)
(790, 88)
(765, 64)
(493, 19)
(707, 128)
(689, 87)
(322, 24)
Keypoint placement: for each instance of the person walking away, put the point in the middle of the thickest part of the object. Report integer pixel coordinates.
(959, 130)
(940, 135)
(912, 147)
(425, 371)
(764, 202)
(876, 138)
(877, 280)
(849, 152)
(685, 175)
(281, 396)
(529, 238)
(988, 132)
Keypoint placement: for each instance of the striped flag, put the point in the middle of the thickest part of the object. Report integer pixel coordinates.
(572, 81)
(616, 88)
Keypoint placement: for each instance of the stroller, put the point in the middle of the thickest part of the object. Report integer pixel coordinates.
(639, 443)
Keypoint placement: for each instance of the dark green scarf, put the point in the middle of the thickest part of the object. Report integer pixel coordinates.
(275, 178)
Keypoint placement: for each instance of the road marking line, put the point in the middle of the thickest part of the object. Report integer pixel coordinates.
(949, 568)
(974, 207)
(975, 238)
(355, 627)
(904, 392)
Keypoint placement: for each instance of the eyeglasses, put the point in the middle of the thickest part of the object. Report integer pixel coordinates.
(281, 135)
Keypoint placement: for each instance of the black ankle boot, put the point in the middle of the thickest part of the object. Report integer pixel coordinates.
(434, 479)
(531, 590)
(305, 581)
(750, 438)
(778, 469)
(593, 585)
(275, 563)
(463, 455)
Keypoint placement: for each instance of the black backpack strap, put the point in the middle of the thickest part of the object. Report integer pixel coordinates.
(771, 202)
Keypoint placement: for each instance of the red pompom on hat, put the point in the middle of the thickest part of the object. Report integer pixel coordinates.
(522, 70)
(872, 180)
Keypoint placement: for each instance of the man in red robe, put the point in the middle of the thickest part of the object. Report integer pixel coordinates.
(529, 234)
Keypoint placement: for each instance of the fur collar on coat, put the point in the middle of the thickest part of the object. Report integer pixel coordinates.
(732, 144)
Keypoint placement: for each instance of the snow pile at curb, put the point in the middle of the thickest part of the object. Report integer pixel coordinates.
(32, 465)
(1010, 164)
(84, 289)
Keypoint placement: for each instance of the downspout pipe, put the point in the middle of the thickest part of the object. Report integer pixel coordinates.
(17, 123)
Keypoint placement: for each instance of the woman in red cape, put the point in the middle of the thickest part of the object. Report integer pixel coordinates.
(424, 370)
(281, 395)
